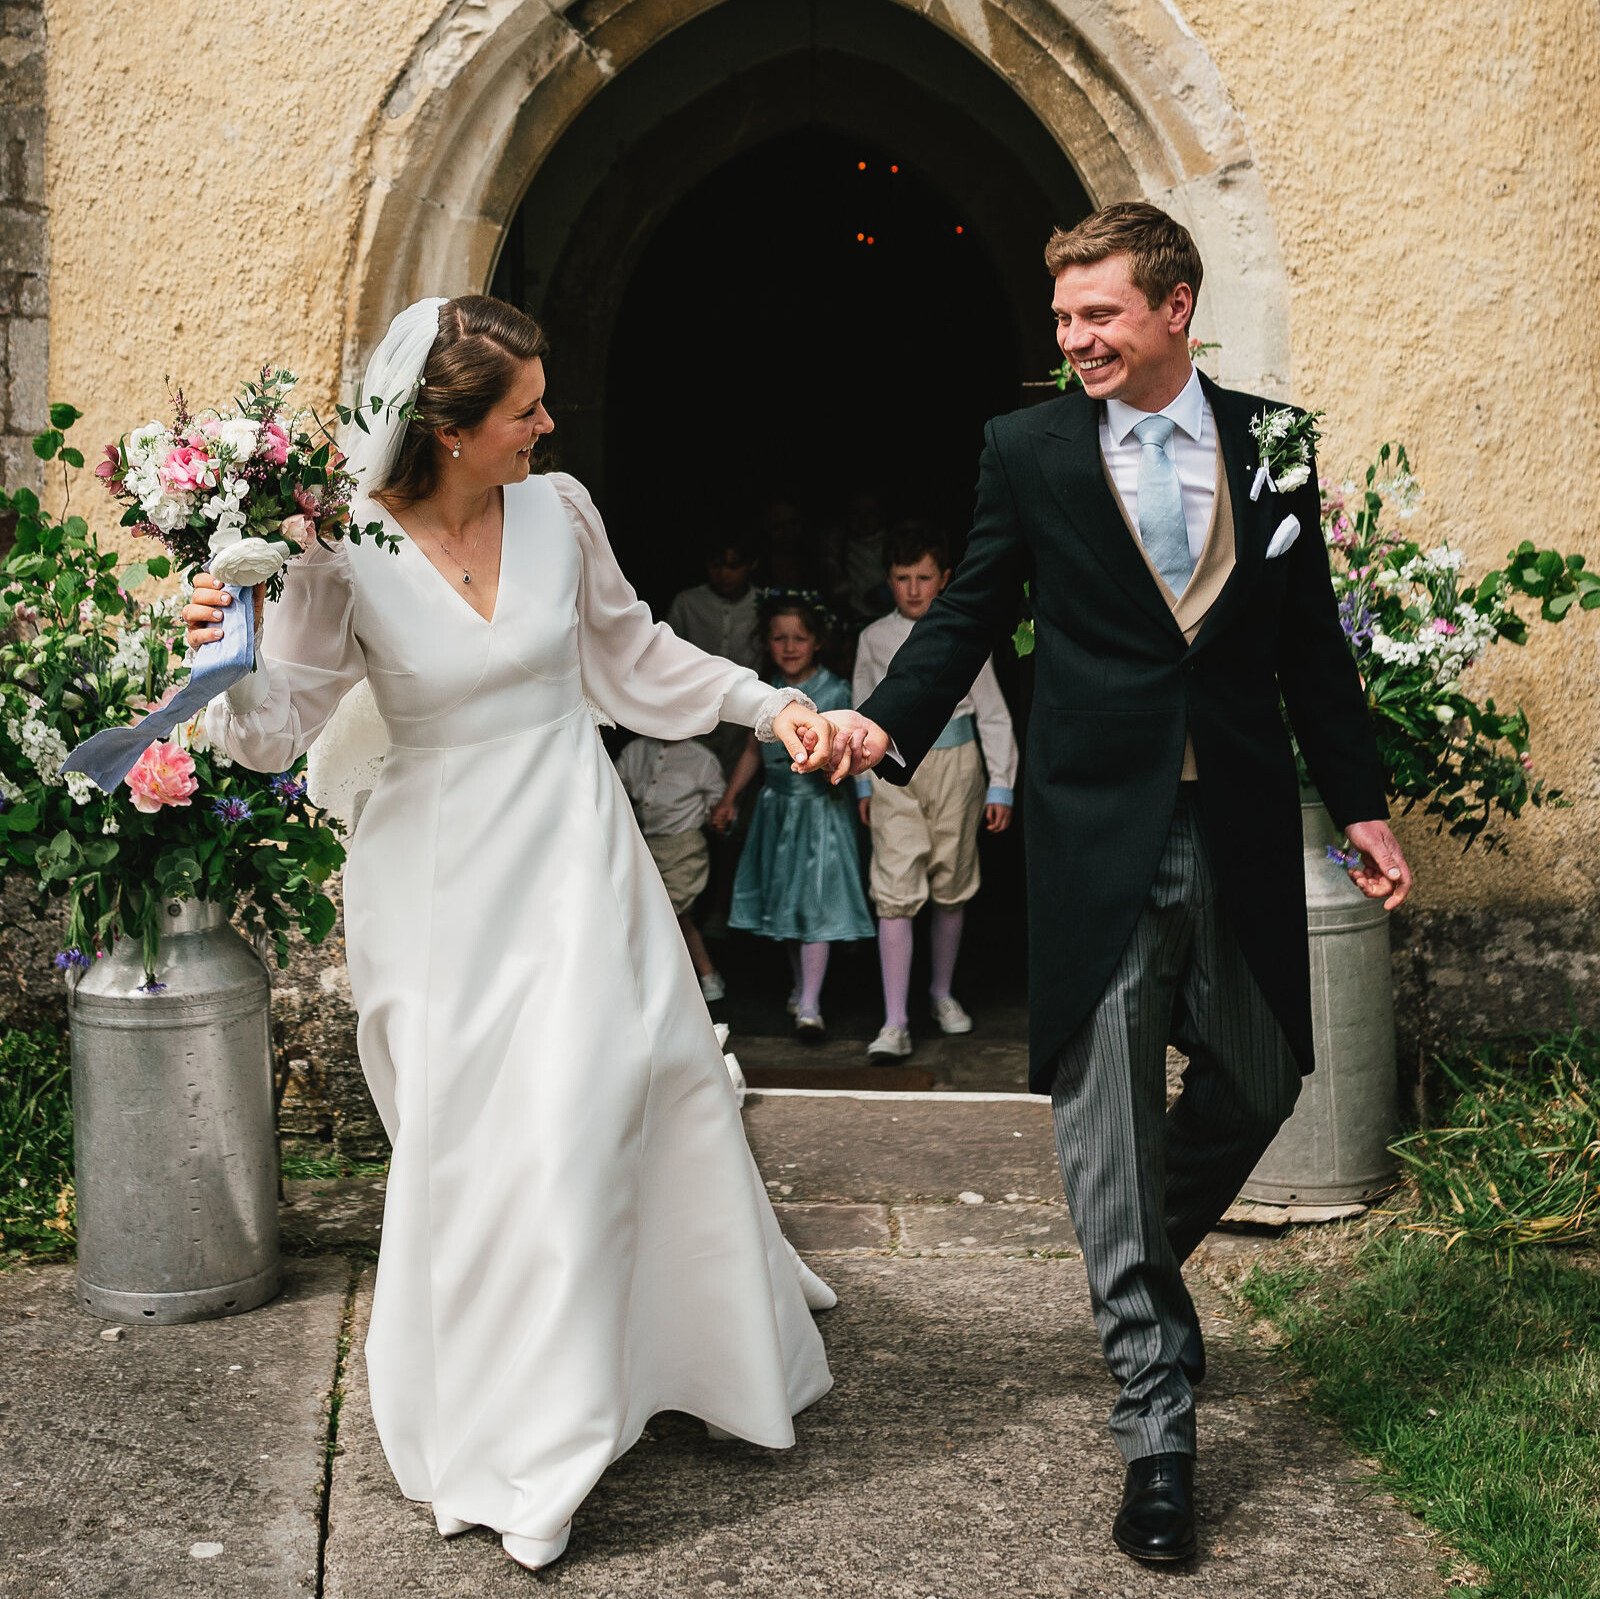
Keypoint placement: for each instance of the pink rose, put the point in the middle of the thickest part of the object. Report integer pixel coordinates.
(186, 469)
(298, 530)
(274, 445)
(164, 775)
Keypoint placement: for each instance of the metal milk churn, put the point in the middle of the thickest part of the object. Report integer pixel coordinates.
(1334, 1149)
(176, 1142)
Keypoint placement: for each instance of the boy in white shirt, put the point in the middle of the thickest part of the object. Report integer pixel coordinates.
(925, 835)
(674, 787)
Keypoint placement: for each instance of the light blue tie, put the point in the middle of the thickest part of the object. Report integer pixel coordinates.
(1161, 524)
(111, 754)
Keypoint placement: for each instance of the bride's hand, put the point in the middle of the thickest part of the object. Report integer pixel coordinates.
(202, 616)
(806, 734)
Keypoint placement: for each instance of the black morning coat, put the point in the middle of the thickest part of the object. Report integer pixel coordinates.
(1116, 689)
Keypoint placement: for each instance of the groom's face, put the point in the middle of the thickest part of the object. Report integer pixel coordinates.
(1118, 343)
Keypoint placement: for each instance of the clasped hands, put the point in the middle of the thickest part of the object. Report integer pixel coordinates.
(838, 742)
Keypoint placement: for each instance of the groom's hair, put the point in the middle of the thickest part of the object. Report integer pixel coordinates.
(1161, 253)
(480, 344)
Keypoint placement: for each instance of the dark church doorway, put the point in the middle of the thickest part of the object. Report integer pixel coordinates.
(808, 275)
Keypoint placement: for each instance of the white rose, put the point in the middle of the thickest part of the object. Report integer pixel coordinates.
(238, 435)
(1296, 477)
(142, 442)
(246, 562)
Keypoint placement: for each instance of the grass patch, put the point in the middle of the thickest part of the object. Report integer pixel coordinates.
(1515, 1158)
(297, 1164)
(1453, 1349)
(36, 1195)
(1476, 1383)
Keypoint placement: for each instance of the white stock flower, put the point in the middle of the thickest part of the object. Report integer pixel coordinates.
(147, 441)
(80, 786)
(247, 561)
(42, 747)
(9, 792)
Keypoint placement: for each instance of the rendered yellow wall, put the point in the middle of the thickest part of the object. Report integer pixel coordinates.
(1431, 177)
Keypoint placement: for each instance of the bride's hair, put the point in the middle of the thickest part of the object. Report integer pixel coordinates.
(481, 343)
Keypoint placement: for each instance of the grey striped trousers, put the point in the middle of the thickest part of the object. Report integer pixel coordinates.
(1144, 1184)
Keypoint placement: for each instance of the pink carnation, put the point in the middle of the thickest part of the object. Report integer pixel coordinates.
(186, 469)
(274, 445)
(164, 775)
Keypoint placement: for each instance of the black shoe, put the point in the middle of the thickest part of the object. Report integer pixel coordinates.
(1156, 1522)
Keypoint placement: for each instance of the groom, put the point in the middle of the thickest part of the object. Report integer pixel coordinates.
(1166, 897)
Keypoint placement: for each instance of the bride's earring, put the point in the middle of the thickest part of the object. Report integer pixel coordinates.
(456, 452)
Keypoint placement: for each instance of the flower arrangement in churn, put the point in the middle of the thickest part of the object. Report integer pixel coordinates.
(81, 652)
(239, 492)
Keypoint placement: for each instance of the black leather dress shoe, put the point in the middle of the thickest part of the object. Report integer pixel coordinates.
(1156, 1522)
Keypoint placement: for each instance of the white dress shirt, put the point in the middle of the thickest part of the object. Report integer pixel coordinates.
(722, 627)
(1193, 449)
(674, 786)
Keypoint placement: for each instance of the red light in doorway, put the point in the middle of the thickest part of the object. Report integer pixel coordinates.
(861, 166)
(959, 228)
(861, 238)
(894, 168)
(870, 239)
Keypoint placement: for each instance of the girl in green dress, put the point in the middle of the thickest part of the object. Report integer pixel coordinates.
(799, 877)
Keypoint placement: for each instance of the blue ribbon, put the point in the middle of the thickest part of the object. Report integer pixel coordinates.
(108, 757)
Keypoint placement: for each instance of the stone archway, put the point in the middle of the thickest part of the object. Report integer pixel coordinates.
(1127, 93)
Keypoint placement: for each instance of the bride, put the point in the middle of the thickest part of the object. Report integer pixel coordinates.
(575, 1235)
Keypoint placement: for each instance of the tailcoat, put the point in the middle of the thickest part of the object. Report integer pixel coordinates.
(1118, 689)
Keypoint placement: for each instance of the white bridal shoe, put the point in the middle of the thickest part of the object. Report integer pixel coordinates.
(536, 1553)
(451, 1526)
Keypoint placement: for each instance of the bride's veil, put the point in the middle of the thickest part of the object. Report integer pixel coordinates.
(344, 762)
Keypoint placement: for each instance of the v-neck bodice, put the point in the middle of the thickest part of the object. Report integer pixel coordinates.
(442, 674)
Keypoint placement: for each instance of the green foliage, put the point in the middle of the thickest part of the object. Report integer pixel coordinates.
(36, 1199)
(1475, 1383)
(1516, 1157)
(84, 654)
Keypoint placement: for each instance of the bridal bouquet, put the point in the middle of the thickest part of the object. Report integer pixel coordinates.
(80, 653)
(1417, 624)
(238, 492)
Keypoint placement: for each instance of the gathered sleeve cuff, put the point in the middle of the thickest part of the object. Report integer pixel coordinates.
(307, 660)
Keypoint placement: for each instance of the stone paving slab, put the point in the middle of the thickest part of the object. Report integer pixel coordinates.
(962, 1455)
(973, 1229)
(173, 1460)
(905, 1151)
(835, 1229)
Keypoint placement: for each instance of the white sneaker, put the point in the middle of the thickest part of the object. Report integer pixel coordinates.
(892, 1043)
(810, 1029)
(536, 1553)
(713, 987)
(947, 1012)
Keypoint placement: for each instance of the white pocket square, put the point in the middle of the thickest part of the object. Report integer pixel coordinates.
(1288, 532)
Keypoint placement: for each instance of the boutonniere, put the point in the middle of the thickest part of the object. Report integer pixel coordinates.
(1285, 439)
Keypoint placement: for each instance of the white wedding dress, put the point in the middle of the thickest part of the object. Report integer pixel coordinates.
(575, 1234)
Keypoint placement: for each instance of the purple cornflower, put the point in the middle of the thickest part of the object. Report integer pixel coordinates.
(231, 808)
(151, 986)
(288, 789)
(1357, 623)
(69, 959)
(1347, 858)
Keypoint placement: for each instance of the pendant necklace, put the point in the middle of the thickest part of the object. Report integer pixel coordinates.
(466, 574)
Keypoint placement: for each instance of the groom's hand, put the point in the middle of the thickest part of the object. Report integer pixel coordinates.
(858, 744)
(1383, 870)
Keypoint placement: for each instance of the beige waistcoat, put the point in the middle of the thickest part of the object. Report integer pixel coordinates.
(1211, 572)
